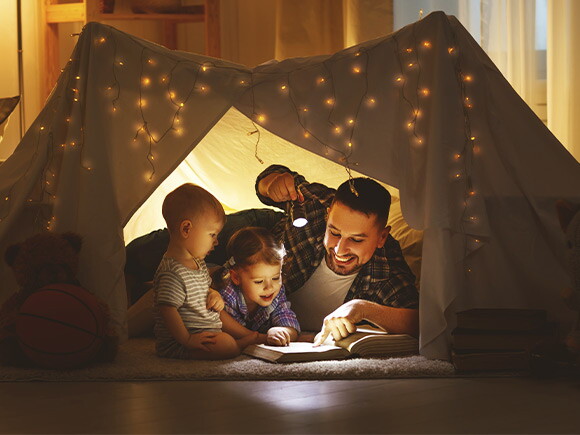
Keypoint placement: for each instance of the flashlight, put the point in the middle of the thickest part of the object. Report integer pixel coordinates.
(298, 214)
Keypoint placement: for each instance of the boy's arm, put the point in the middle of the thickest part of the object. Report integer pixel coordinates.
(235, 329)
(179, 332)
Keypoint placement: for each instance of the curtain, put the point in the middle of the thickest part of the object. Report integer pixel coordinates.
(505, 29)
(563, 64)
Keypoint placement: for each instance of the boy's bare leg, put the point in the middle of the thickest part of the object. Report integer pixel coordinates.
(225, 347)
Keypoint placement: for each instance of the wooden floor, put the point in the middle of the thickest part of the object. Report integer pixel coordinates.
(464, 405)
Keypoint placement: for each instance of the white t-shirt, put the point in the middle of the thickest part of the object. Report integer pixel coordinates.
(323, 293)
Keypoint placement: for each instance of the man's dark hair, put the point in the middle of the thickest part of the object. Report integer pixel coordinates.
(366, 196)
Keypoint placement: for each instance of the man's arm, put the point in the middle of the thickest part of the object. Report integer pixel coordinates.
(342, 321)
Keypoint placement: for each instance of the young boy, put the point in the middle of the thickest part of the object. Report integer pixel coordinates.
(187, 320)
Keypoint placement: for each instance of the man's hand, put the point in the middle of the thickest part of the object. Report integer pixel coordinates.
(278, 336)
(341, 322)
(214, 301)
(280, 187)
(201, 340)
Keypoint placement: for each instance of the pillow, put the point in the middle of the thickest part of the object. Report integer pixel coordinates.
(411, 240)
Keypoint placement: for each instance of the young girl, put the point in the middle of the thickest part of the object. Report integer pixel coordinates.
(254, 297)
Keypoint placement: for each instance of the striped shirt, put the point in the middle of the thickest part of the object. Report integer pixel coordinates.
(278, 313)
(385, 279)
(187, 290)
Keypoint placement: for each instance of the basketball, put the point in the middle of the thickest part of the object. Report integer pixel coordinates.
(61, 326)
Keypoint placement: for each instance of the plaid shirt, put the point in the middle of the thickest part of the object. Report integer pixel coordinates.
(278, 313)
(385, 278)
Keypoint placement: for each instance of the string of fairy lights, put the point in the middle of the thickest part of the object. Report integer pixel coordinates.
(343, 134)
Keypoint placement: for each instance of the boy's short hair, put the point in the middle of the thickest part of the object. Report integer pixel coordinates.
(189, 201)
(370, 198)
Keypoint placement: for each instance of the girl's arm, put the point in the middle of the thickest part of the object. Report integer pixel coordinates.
(281, 335)
(233, 327)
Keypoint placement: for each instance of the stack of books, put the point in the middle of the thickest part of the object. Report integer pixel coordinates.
(498, 338)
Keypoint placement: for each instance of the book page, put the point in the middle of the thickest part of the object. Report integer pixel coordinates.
(300, 347)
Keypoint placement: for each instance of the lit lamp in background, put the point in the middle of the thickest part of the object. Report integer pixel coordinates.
(297, 214)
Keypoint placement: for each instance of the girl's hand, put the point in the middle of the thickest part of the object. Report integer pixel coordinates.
(278, 336)
(201, 340)
(214, 301)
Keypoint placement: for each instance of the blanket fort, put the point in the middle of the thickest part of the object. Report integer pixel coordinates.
(423, 109)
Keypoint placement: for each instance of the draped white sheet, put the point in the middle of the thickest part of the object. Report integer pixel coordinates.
(486, 204)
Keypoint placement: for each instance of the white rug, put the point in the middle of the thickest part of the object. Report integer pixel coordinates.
(137, 361)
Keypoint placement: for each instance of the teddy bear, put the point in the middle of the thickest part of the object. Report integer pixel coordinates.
(569, 216)
(44, 259)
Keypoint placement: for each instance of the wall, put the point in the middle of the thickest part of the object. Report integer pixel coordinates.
(9, 72)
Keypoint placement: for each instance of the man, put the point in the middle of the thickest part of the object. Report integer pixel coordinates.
(343, 262)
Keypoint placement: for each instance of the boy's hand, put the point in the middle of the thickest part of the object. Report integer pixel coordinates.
(201, 340)
(278, 336)
(214, 301)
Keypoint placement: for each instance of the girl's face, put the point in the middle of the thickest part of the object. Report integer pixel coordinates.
(260, 283)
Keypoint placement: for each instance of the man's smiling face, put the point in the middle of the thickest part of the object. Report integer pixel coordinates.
(351, 239)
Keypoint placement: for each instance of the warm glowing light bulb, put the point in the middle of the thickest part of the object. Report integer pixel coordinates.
(409, 125)
(77, 77)
(283, 87)
(261, 118)
(411, 65)
(142, 102)
(146, 81)
(329, 101)
(203, 88)
(204, 68)
(242, 82)
(409, 50)
(450, 50)
(456, 156)
(471, 192)
(305, 109)
(121, 63)
(425, 91)
(172, 94)
(181, 104)
(472, 137)
(467, 78)
(458, 175)
(102, 39)
(320, 80)
(356, 69)
(357, 54)
(337, 129)
(427, 44)
(42, 127)
(306, 134)
(350, 144)
(351, 121)
(372, 101)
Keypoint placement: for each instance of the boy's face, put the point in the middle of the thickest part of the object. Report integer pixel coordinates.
(351, 239)
(260, 283)
(200, 233)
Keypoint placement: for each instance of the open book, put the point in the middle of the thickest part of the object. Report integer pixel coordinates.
(365, 342)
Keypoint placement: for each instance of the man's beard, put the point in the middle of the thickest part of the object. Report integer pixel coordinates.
(351, 267)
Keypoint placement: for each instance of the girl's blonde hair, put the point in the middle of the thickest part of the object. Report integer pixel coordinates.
(253, 245)
(248, 246)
